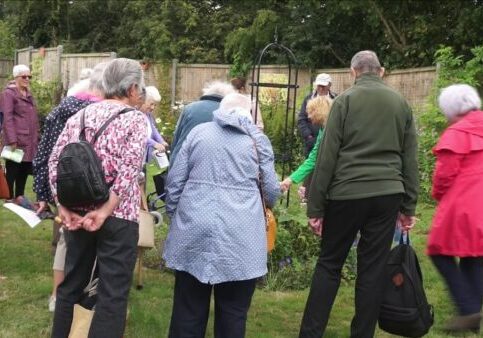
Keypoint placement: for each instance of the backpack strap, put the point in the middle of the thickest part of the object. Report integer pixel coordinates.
(82, 135)
(401, 239)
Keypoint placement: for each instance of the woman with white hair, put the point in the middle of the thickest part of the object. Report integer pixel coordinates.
(108, 231)
(20, 129)
(217, 236)
(457, 229)
(198, 112)
(155, 140)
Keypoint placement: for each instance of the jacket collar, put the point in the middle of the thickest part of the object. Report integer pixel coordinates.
(215, 98)
(367, 78)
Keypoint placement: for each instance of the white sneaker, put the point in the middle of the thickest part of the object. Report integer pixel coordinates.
(52, 303)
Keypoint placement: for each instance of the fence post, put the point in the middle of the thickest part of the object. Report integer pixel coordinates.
(173, 82)
(31, 48)
(60, 50)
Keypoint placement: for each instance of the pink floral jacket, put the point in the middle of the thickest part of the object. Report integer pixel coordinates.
(120, 147)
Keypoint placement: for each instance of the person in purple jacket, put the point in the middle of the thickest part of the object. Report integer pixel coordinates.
(20, 128)
(155, 140)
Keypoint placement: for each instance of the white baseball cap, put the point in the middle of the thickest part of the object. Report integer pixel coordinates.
(322, 80)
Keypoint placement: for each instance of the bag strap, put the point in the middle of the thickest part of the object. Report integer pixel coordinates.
(260, 178)
(91, 288)
(401, 239)
(82, 135)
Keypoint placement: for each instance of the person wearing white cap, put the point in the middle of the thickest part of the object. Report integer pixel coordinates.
(308, 130)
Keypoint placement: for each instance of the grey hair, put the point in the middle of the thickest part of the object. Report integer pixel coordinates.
(85, 73)
(19, 69)
(95, 79)
(238, 102)
(79, 87)
(152, 94)
(366, 61)
(219, 88)
(458, 99)
(119, 75)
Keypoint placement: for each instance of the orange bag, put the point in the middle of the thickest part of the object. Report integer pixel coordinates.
(4, 192)
(271, 226)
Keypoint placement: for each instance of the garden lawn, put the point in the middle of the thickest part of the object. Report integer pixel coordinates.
(25, 285)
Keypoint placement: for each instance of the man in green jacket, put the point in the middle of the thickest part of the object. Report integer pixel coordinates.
(365, 179)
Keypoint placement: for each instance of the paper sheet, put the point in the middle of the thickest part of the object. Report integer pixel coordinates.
(27, 215)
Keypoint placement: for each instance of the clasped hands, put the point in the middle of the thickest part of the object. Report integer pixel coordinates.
(406, 223)
(92, 221)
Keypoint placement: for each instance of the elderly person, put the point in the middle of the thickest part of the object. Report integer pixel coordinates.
(318, 111)
(155, 140)
(457, 229)
(361, 183)
(198, 112)
(217, 237)
(90, 92)
(307, 128)
(20, 128)
(108, 231)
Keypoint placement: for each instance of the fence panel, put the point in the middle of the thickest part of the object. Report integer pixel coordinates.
(6, 66)
(72, 64)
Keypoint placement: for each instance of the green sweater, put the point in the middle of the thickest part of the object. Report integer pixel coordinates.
(309, 164)
(369, 148)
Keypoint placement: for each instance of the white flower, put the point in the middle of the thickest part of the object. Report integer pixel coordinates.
(158, 120)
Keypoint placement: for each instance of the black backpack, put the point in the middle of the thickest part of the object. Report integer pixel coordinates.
(404, 310)
(80, 177)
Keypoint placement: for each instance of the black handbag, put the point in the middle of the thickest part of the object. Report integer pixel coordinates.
(404, 310)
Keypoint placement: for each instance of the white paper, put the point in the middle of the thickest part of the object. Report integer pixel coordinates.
(12, 155)
(27, 215)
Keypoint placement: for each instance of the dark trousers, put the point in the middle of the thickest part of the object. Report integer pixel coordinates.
(375, 219)
(464, 280)
(16, 175)
(191, 307)
(115, 245)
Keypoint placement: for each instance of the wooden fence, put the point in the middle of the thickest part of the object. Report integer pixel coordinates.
(415, 84)
(6, 66)
(184, 82)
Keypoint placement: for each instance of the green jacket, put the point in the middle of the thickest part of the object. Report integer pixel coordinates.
(369, 148)
(309, 164)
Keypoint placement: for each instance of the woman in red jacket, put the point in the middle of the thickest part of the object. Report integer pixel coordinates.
(457, 229)
(20, 128)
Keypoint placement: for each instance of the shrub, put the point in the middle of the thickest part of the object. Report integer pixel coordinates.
(451, 69)
(47, 94)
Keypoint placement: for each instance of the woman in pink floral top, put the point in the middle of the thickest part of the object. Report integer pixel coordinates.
(109, 231)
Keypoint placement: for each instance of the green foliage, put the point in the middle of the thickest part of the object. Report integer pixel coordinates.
(47, 94)
(431, 122)
(7, 40)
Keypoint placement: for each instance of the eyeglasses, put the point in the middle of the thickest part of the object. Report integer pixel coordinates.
(25, 77)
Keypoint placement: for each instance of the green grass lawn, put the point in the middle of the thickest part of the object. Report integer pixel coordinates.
(25, 284)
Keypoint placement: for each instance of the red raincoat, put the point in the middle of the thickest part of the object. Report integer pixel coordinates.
(457, 228)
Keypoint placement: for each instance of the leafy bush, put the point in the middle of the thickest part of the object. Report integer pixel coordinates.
(47, 94)
(451, 69)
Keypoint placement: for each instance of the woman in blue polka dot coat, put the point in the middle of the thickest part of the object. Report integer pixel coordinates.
(217, 237)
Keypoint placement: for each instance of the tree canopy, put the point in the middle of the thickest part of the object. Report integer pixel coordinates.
(321, 33)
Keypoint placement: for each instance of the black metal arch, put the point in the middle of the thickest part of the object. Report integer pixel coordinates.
(284, 155)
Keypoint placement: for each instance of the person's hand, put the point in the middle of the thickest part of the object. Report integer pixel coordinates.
(301, 192)
(42, 207)
(165, 144)
(285, 184)
(69, 219)
(316, 225)
(93, 220)
(160, 147)
(13, 146)
(406, 222)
